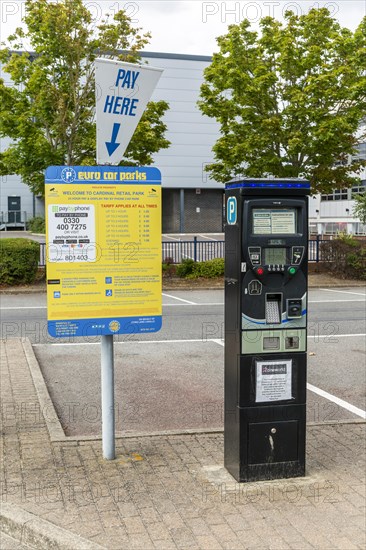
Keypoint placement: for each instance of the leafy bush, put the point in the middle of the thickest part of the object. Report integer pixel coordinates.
(37, 225)
(358, 263)
(18, 261)
(169, 268)
(185, 268)
(209, 269)
(345, 257)
(194, 270)
(347, 238)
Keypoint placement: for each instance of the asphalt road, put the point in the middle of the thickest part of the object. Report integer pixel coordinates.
(174, 379)
(193, 314)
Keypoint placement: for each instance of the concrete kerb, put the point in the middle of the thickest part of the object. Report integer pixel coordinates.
(45, 402)
(35, 532)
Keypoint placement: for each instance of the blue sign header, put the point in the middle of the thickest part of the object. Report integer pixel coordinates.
(103, 174)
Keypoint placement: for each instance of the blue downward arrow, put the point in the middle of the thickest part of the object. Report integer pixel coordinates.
(112, 145)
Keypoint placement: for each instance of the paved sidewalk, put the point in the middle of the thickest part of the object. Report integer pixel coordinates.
(170, 491)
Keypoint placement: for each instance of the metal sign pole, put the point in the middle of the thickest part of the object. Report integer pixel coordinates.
(107, 375)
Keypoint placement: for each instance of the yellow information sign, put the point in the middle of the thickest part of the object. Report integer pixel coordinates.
(103, 250)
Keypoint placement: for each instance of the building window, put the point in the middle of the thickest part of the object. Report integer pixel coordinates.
(361, 152)
(313, 229)
(360, 229)
(360, 189)
(336, 195)
(332, 228)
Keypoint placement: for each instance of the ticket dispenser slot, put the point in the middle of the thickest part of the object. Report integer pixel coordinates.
(273, 309)
(265, 328)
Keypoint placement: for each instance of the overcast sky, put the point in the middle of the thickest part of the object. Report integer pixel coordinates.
(191, 26)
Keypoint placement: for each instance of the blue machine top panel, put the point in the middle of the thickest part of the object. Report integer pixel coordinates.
(269, 184)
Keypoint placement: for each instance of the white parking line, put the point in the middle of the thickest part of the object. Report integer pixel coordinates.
(189, 303)
(343, 291)
(326, 395)
(220, 342)
(181, 299)
(338, 401)
(172, 238)
(200, 305)
(25, 307)
(208, 238)
(335, 335)
(331, 301)
(309, 302)
(196, 340)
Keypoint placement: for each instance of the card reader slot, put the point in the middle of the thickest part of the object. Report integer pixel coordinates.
(273, 309)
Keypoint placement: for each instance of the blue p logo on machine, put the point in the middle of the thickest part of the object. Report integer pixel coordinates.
(232, 211)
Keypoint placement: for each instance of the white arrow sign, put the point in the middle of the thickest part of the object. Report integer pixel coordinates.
(122, 93)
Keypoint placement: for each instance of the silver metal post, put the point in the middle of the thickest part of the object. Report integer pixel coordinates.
(107, 368)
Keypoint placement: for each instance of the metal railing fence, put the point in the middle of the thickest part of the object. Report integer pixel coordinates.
(13, 219)
(200, 251)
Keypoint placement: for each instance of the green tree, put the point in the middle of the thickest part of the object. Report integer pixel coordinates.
(289, 100)
(359, 209)
(49, 112)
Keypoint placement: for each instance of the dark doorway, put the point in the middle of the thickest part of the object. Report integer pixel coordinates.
(14, 214)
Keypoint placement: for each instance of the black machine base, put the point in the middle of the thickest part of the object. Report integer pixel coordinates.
(270, 443)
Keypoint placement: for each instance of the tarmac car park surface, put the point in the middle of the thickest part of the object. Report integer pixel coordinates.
(173, 379)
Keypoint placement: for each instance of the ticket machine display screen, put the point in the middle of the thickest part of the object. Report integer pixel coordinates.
(275, 256)
(274, 221)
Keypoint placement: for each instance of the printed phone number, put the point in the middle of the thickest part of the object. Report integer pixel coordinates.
(78, 258)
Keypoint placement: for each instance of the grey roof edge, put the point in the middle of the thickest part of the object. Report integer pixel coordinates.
(152, 55)
(181, 56)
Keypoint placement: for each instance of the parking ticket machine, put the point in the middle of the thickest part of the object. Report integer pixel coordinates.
(266, 236)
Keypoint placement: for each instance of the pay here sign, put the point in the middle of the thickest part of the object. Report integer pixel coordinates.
(122, 93)
(103, 250)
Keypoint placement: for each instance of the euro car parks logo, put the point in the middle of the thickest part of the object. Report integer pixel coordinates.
(68, 175)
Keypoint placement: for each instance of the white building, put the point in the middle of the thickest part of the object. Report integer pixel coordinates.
(192, 202)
